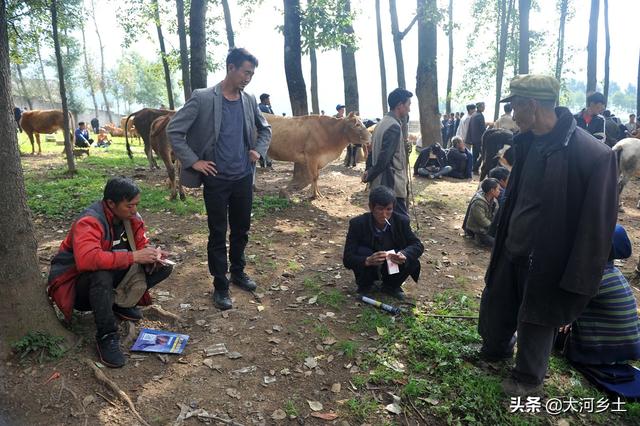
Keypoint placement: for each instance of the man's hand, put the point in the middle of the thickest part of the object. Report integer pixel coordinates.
(205, 167)
(253, 155)
(376, 258)
(145, 256)
(398, 258)
(364, 177)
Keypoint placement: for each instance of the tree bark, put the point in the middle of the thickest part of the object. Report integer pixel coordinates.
(293, 58)
(87, 69)
(450, 65)
(592, 47)
(184, 52)
(315, 102)
(607, 52)
(383, 70)
(427, 73)
(564, 6)
(163, 54)
(45, 83)
(504, 18)
(349, 74)
(25, 93)
(68, 148)
(397, 44)
(638, 90)
(198, 43)
(103, 84)
(24, 306)
(228, 24)
(523, 49)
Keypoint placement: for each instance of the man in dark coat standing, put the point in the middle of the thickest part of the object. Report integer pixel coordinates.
(553, 236)
(477, 126)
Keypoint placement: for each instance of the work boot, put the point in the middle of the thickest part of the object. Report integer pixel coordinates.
(365, 290)
(221, 299)
(109, 350)
(513, 387)
(243, 281)
(127, 314)
(395, 292)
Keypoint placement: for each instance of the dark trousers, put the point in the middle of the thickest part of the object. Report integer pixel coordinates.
(498, 322)
(83, 144)
(95, 292)
(227, 202)
(476, 149)
(401, 207)
(366, 275)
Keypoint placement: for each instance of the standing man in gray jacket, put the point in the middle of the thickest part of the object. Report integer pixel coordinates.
(389, 157)
(214, 136)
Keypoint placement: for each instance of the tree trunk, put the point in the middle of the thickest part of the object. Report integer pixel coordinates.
(349, 74)
(198, 43)
(44, 77)
(103, 85)
(24, 306)
(638, 90)
(184, 52)
(315, 102)
(592, 47)
(25, 93)
(504, 18)
(397, 44)
(383, 70)
(71, 165)
(87, 69)
(293, 58)
(427, 73)
(228, 24)
(523, 49)
(607, 52)
(450, 69)
(163, 54)
(564, 6)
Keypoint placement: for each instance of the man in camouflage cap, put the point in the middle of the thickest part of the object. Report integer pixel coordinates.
(554, 233)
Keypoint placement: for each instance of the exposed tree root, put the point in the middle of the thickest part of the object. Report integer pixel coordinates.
(158, 310)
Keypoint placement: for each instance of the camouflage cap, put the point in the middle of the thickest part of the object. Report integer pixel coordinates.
(541, 87)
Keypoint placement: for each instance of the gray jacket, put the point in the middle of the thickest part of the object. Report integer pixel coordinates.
(389, 157)
(197, 124)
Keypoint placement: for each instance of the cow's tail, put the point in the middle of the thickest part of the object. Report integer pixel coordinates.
(126, 136)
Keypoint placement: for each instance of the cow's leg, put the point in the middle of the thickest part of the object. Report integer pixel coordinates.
(30, 134)
(37, 140)
(171, 171)
(301, 176)
(147, 150)
(178, 166)
(314, 171)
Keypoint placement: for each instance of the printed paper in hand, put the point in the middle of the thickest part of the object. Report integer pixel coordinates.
(392, 267)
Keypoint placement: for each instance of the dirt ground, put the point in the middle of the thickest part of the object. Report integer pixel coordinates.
(274, 330)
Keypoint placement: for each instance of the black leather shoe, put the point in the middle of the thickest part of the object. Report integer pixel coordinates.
(395, 292)
(243, 281)
(109, 350)
(128, 314)
(221, 299)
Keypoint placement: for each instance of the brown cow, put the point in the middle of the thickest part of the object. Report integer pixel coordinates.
(161, 146)
(113, 130)
(131, 130)
(44, 121)
(142, 120)
(311, 142)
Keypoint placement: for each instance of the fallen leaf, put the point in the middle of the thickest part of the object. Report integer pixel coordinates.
(311, 362)
(313, 300)
(325, 416)
(336, 387)
(330, 340)
(315, 405)
(260, 308)
(279, 415)
(233, 393)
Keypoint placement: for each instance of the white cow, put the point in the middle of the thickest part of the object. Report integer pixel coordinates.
(628, 152)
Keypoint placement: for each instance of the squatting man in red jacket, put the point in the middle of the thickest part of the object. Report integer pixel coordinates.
(94, 259)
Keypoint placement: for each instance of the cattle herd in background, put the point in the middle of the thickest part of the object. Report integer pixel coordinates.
(310, 142)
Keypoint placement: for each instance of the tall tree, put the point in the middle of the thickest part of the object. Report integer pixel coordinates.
(228, 24)
(45, 83)
(24, 306)
(592, 47)
(198, 43)
(103, 84)
(25, 93)
(315, 100)
(638, 90)
(504, 17)
(449, 31)
(564, 10)
(397, 41)
(524, 6)
(71, 165)
(347, 52)
(293, 58)
(163, 53)
(383, 71)
(427, 73)
(607, 51)
(88, 70)
(184, 51)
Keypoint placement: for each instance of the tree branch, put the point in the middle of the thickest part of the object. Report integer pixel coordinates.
(404, 33)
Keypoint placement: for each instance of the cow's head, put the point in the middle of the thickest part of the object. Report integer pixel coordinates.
(355, 130)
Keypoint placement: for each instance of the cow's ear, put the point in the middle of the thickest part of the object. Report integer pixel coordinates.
(351, 114)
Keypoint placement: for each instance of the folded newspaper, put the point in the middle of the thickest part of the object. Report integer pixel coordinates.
(165, 342)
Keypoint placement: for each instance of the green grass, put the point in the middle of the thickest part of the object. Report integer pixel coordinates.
(348, 348)
(290, 408)
(360, 408)
(312, 283)
(332, 298)
(42, 345)
(294, 266)
(322, 330)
